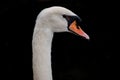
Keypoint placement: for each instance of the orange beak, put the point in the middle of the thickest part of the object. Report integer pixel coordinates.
(76, 29)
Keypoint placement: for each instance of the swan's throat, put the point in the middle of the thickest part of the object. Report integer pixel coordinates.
(41, 43)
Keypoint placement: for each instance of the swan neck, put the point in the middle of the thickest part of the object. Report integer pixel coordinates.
(42, 40)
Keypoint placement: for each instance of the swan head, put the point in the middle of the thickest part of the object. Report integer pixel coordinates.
(60, 19)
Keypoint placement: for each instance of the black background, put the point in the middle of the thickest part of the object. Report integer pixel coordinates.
(73, 57)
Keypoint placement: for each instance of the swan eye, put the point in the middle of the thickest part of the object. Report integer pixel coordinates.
(66, 17)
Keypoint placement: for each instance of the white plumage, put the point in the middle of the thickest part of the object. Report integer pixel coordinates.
(49, 20)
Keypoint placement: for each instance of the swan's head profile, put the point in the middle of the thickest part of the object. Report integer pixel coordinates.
(60, 19)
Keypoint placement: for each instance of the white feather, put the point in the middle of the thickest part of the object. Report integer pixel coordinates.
(49, 20)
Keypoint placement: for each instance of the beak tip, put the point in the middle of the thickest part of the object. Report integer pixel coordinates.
(88, 38)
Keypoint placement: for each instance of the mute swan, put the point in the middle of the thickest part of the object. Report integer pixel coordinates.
(50, 20)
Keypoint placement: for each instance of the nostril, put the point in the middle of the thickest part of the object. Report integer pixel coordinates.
(78, 27)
